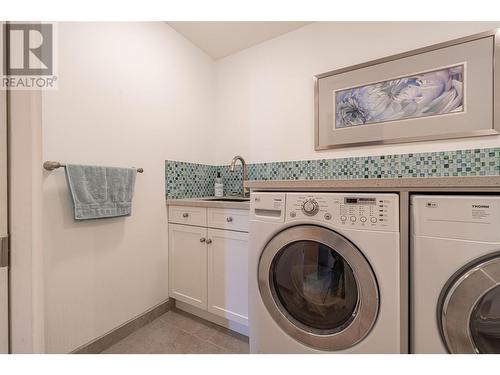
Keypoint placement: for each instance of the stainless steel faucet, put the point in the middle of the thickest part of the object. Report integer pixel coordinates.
(245, 192)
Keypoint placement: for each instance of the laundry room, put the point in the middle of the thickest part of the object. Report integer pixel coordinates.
(211, 184)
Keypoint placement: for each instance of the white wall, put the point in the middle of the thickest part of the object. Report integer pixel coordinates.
(130, 94)
(264, 95)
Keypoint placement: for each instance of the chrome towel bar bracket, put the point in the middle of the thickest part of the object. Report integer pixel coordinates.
(51, 165)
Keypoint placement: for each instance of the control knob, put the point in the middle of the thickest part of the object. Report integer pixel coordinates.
(310, 207)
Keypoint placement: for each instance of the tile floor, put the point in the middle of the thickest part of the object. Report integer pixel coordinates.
(177, 332)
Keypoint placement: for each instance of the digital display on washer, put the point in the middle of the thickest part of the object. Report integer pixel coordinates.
(360, 200)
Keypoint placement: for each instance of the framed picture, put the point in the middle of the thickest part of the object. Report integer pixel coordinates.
(448, 90)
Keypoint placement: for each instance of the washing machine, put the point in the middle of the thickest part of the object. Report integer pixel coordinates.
(455, 282)
(325, 273)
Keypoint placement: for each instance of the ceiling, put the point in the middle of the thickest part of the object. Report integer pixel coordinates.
(220, 39)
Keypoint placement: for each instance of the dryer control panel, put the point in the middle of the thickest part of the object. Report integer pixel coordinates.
(356, 210)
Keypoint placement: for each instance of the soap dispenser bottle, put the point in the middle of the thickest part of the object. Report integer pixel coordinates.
(219, 186)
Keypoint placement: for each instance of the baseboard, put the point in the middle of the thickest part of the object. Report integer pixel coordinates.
(112, 337)
(233, 326)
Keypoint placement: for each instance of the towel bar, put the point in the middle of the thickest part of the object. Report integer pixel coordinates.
(51, 165)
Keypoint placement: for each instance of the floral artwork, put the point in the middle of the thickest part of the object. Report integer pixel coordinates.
(420, 95)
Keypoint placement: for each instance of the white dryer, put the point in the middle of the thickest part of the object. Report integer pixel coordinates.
(455, 258)
(325, 273)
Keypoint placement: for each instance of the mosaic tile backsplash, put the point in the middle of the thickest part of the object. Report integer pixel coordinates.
(189, 180)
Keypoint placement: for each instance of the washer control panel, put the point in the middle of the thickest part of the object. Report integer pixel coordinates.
(357, 210)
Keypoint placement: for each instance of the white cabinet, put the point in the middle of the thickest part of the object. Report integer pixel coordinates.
(187, 215)
(231, 219)
(208, 267)
(187, 255)
(228, 275)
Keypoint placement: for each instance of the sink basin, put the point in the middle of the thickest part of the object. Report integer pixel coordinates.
(227, 199)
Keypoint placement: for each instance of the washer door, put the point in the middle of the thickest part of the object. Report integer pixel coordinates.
(469, 311)
(318, 287)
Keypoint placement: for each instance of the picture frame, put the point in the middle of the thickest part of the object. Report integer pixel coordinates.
(443, 91)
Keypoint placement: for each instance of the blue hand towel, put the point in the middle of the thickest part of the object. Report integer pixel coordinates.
(100, 192)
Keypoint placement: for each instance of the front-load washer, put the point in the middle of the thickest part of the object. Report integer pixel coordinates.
(455, 264)
(324, 273)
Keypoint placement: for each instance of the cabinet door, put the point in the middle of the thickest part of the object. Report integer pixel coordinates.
(188, 264)
(228, 274)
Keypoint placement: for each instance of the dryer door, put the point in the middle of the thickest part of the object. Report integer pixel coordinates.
(318, 287)
(469, 309)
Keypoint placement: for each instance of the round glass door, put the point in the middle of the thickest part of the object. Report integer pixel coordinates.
(315, 286)
(485, 322)
(470, 309)
(318, 287)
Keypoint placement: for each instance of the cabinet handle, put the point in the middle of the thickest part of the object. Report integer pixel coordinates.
(202, 239)
(229, 219)
(209, 241)
(185, 214)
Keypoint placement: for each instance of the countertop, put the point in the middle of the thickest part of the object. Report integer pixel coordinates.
(479, 183)
(200, 202)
